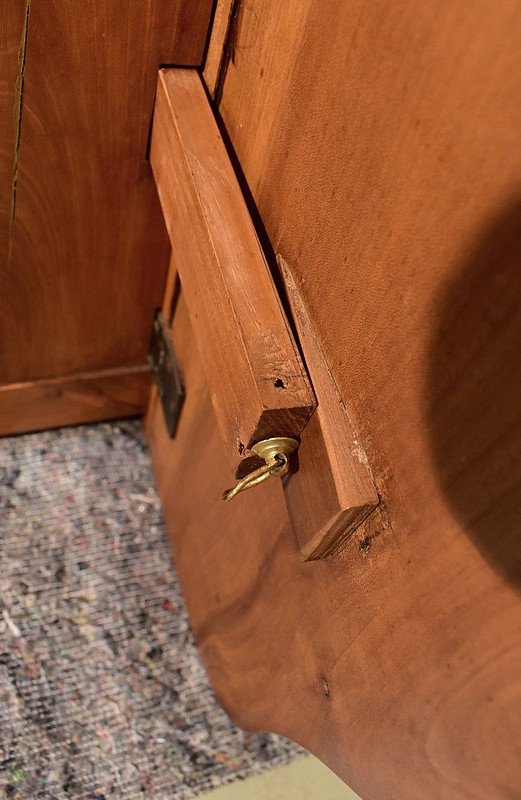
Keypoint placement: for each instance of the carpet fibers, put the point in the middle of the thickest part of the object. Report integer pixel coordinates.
(102, 694)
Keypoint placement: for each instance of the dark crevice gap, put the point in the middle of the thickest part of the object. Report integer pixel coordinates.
(228, 53)
(209, 34)
(18, 109)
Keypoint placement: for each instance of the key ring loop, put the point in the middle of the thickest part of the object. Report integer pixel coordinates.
(275, 452)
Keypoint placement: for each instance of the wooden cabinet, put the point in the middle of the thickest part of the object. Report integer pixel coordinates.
(368, 606)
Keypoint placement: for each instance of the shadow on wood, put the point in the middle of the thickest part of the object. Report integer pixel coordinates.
(474, 393)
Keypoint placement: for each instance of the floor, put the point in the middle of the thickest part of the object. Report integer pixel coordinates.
(102, 694)
(304, 778)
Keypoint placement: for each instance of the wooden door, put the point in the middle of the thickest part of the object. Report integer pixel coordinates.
(379, 147)
(83, 249)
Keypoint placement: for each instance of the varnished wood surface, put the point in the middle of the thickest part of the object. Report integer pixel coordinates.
(76, 399)
(88, 250)
(258, 385)
(381, 144)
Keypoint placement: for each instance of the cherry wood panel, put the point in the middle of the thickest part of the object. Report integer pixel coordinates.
(258, 384)
(89, 252)
(381, 145)
(88, 397)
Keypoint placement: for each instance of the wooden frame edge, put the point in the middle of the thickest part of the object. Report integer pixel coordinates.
(74, 399)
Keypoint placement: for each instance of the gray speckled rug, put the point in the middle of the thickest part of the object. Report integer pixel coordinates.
(102, 694)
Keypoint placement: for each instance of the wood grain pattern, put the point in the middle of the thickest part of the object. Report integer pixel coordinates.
(12, 18)
(88, 397)
(332, 490)
(381, 146)
(89, 251)
(258, 385)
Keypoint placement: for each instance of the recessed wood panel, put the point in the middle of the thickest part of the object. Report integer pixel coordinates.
(88, 251)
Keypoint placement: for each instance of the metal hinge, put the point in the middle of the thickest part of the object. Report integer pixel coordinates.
(166, 373)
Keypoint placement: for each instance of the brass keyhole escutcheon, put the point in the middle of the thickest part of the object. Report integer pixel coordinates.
(275, 452)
